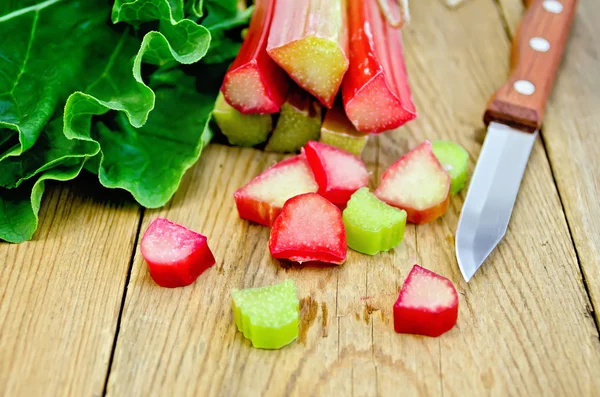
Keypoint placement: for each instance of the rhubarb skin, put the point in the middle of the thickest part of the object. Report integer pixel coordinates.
(262, 199)
(418, 184)
(268, 316)
(309, 229)
(337, 172)
(176, 256)
(308, 39)
(241, 129)
(338, 131)
(254, 83)
(376, 92)
(427, 304)
(299, 122)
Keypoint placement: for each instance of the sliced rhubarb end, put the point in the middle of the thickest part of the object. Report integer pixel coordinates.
(338, 131)
(337, 172)
(176, 256)
(262, 199)
(268, 316)
(418, 184)
(241, 129)
(309, 229)
(375, 109)
(315, 64)
(254, 210)
(372, 226)
(427, 304)
(298, 123)
(245, 90)
(419, 217)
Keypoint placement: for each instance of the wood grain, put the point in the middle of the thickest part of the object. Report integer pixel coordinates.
(523, 325)
(60, 294)
(571, 135)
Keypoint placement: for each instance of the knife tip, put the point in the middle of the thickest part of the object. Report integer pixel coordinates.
(466, 261)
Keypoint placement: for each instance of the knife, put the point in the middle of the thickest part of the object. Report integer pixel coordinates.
(514, 117)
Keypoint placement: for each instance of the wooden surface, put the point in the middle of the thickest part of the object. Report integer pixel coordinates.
(80, 316)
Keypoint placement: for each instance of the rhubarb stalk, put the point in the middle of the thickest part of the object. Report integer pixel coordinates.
(308, 39)
(241, 129)
(376, 93)
(298, 123)
(254, 83)
(338, 131)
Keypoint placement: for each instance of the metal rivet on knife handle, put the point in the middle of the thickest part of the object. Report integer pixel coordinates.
(539, 44)
(547, 21)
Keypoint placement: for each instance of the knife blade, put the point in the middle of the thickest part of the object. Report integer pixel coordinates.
(513, 116)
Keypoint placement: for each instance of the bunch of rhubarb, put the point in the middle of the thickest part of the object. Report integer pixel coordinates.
(302, 55)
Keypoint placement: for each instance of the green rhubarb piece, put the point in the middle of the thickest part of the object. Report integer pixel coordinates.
(371, 225)
(268, 316)
(299, 122)
(241, 129)
(338, 131)
(455, 159)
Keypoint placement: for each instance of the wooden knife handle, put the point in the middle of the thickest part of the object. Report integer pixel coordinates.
(537, 50)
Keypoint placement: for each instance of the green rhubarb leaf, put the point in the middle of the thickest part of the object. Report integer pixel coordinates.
(371, 225)
(179, 39)
(150, 161)
(51, 149)
(219, 21)
(219, 10)
(268, 316)
(194, 8)
(19, 207)
(37, 71)
(73, 95)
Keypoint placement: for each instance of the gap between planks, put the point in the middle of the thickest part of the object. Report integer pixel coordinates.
(595, 314)
(123, 299)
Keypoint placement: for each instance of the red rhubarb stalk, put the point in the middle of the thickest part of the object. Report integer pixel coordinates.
(308, 39)
(375, 91)
(254, 83)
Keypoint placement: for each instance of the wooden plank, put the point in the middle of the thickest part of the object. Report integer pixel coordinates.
(503, 344)
(571, 134)
(522, 328)
(61, 294)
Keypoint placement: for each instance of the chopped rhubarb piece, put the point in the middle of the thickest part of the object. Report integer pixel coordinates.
(338, 131)
(309, 229)
(455, 160)
(254, 82)
(241, 129)
(268, 316)
(175, 255)
(427, 305)
(338, 173)
(298, 123)
(418, 184)
(371, 225)
(308, 39)
(375, 91)
(262, 199)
